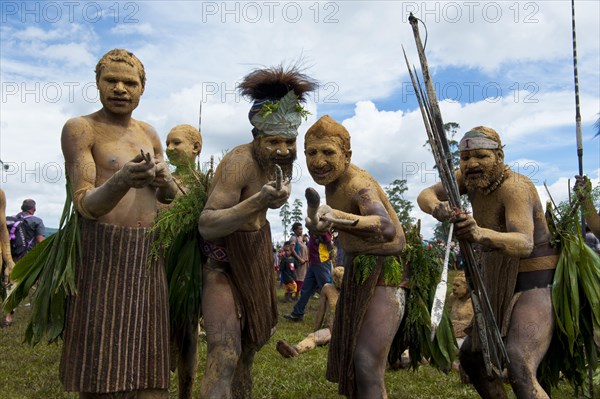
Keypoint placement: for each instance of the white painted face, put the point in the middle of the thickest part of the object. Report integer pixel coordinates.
(480, 168)
(120, 87)
(325, 159)
(459, 287)
(181, 149)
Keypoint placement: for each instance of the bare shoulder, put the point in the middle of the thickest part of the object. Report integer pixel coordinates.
(239, 159)
(234, 171)
(147, 128)
(242, 153)
(78, 130)
(151, 134)
(364, 185)
(517, 186)
(361, 180)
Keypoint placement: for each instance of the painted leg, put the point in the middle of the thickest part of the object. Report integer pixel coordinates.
(307, 344)
(223, 336)
(528, 340)
(242, 379)
(472, 363)
(188, 354)
(379, 327)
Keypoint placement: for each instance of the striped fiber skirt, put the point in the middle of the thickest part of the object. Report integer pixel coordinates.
(116, 336)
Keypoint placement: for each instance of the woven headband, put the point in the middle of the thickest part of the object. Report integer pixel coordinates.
(474, 140)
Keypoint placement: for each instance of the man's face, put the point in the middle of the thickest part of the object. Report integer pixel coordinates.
(181, 150)
(325, 159)
(459, 288)
(298, 231)
(480, 168)
(120, 87)
(271, 150)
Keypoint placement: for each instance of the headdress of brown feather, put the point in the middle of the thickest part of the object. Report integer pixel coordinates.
(268, 87)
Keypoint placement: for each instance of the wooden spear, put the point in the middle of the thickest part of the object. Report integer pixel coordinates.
(487, 329)
(577, 112)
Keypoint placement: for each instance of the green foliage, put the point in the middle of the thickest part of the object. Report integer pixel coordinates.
(364, 266)
(425, 267)
(575, 300)
(50, 265)
(269, 108)
(183, 213)
(297, 214)
(183, 265)
(395, 193)
(176, 233)
(286, 218)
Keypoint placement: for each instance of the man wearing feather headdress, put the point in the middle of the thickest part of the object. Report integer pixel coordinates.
(238, 298)
(517, 261)
(116, 327)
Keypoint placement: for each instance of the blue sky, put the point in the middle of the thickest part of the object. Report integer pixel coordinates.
(504, 64)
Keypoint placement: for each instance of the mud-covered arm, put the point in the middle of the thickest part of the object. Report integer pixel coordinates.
(92, 202)
(4, 239)
(434, 200)
(166, 188)
(518, 239)
(224, 213)
(374, 221)
(583, 188)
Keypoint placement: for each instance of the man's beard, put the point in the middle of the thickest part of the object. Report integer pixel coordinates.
(267, 164)
(488, 177)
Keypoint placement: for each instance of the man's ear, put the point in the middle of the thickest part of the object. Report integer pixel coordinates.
(348, 156)
(500, 155)
(197, 147)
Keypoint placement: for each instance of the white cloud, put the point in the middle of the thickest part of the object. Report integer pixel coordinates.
(354, 49)
(133, 29)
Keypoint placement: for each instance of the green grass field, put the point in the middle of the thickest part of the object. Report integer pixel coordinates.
(32, 373)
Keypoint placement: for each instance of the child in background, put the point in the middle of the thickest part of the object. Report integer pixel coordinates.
(287, 268)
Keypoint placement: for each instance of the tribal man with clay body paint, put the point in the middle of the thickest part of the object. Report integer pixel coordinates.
(183, 146)
(517, 261)
(116, 336)
(371, 302)
(238, 297)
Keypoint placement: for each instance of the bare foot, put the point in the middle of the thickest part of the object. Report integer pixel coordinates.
(286, 350)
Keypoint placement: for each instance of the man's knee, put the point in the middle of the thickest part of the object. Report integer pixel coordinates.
(368, 366)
